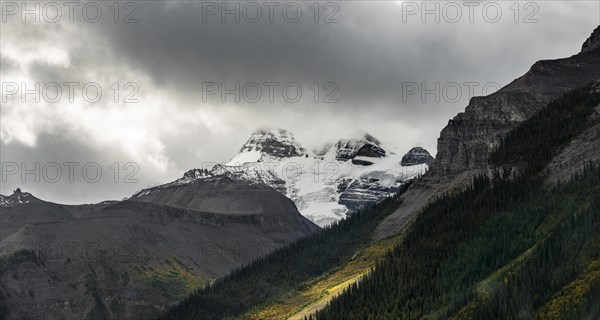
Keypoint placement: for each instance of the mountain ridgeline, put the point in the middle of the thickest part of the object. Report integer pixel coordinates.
(131, 259)
(504, 248)
(505, 225)
(466, 143)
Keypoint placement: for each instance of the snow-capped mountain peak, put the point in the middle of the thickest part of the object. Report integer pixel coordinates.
(415, 156)
(363, 146)
(266, 145)
(18, 197)
(326, 185)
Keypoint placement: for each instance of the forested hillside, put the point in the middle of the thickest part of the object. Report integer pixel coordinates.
(285, 270)
(506, 248)
(535, 142)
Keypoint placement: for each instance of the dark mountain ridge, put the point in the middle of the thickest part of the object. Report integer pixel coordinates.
(465, 144)
(133, 258)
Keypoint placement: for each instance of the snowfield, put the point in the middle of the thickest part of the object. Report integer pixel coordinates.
(326, 187)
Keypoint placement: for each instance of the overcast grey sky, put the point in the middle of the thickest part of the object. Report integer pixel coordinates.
(370, 57)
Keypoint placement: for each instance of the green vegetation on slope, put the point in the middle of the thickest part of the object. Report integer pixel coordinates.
(502, 249)
(174, 279)
(316, 293)
(285, 270)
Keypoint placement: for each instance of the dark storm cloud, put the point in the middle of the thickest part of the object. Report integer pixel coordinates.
(369, 52)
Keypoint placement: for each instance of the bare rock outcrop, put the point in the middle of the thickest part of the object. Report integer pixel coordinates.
(573, 158)
(593, 42)
(416, 156)
(465, 144)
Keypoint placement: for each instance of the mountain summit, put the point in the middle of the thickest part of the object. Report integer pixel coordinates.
(366, 146)
(18, 197)
(326, 185)
(415, 156)
(266, 144)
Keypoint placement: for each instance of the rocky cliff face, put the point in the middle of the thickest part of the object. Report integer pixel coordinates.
(465, 143)
(268, 144)
(580, 151)
(366, 146)
(593, 42)
(415, 156)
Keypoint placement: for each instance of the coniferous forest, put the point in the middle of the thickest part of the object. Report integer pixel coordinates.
(504, 248)
(501, 250)
(285, 269)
